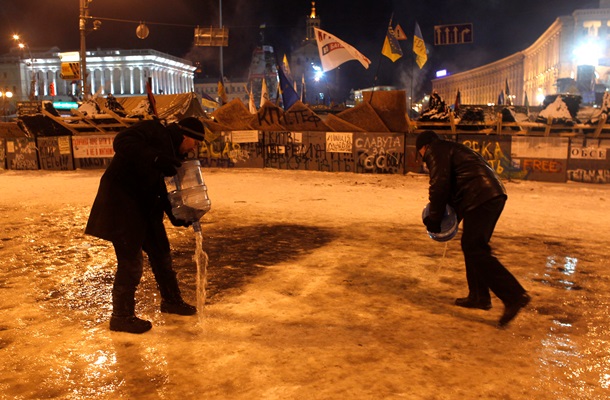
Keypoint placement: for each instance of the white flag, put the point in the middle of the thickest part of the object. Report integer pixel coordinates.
(251, 105)
(334, 52)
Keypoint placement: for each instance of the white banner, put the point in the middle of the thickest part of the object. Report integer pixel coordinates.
(334, 52)
(93, 146)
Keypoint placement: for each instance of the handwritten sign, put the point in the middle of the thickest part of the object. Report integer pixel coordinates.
(339, 142)
(93, 146)
(244, 137)
(55, 153)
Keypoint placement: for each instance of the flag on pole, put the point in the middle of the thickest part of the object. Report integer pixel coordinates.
(501, 98)
(391, 48)
(151, 99)
(222, 93)
(399, 33)
(334, 52)
(303, 88)
(251, 105)
(264, 93)
(419, 47)
(458, 101)
(286, 67)
(289, 95)
(207, 101)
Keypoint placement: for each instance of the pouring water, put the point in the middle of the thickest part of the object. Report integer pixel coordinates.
(188, 196)
(201, 259)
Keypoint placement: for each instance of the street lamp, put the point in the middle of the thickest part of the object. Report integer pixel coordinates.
(5, 96)
(23, 46)
(83, 16)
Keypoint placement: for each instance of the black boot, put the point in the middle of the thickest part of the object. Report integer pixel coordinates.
(123, 317)
(512, 309)
(469, 302)
(177, 307)
(130, 324)
(171, 299)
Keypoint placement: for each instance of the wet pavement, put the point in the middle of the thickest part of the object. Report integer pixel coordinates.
(306, 299)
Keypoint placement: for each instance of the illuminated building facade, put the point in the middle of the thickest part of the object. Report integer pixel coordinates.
(305, 62)
(571, 56)
(116, 72)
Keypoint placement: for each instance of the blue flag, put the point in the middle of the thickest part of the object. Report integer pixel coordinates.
(391, 48)
(289, 95)
(501, 98)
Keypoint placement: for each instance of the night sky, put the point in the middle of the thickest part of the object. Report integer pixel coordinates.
(501, 28)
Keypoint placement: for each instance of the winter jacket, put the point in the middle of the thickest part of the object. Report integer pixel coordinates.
(132, 192)
(460, 177)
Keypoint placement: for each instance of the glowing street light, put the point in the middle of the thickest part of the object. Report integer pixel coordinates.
(23, 46)
(5, 96)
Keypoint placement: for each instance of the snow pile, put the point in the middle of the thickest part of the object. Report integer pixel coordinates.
(140, 110)
(557, 111)
(437, 111)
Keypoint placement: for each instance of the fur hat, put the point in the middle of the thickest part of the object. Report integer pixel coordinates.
(424, 138)
(192, 127)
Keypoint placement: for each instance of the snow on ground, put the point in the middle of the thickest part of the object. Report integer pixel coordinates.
(320, 286)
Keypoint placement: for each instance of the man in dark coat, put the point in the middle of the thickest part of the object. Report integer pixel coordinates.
(461, 178)
(128, 211)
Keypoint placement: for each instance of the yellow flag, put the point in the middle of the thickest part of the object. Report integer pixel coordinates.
(419, 47)
(264, 93)
(222, 94)
(286, 67)
(391, 48)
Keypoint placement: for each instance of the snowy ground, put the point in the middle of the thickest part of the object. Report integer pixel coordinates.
(321, 286)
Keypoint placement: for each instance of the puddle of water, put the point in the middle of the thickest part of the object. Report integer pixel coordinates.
(557, 268)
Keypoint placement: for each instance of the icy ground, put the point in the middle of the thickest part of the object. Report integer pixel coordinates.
(320, 286)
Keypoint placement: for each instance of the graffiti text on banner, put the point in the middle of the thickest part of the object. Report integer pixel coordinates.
(589, 176)
(491, 151)
(381, 154)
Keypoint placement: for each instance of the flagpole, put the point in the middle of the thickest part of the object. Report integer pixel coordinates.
(411, 94)
(379, 63)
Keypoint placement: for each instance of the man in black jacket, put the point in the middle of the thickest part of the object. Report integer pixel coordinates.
(461, 178)
(128, 211)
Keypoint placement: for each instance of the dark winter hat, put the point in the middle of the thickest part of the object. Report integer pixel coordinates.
(424, 138)
(192, 127)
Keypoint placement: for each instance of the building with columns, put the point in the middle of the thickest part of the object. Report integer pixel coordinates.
(37, 75)
(571, 56)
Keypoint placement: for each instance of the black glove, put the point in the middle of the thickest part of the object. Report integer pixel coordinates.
(433, 226)
(167, 165)
(177, 221)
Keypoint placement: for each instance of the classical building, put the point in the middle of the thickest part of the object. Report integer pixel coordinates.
(571, 56)
(37, 74)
